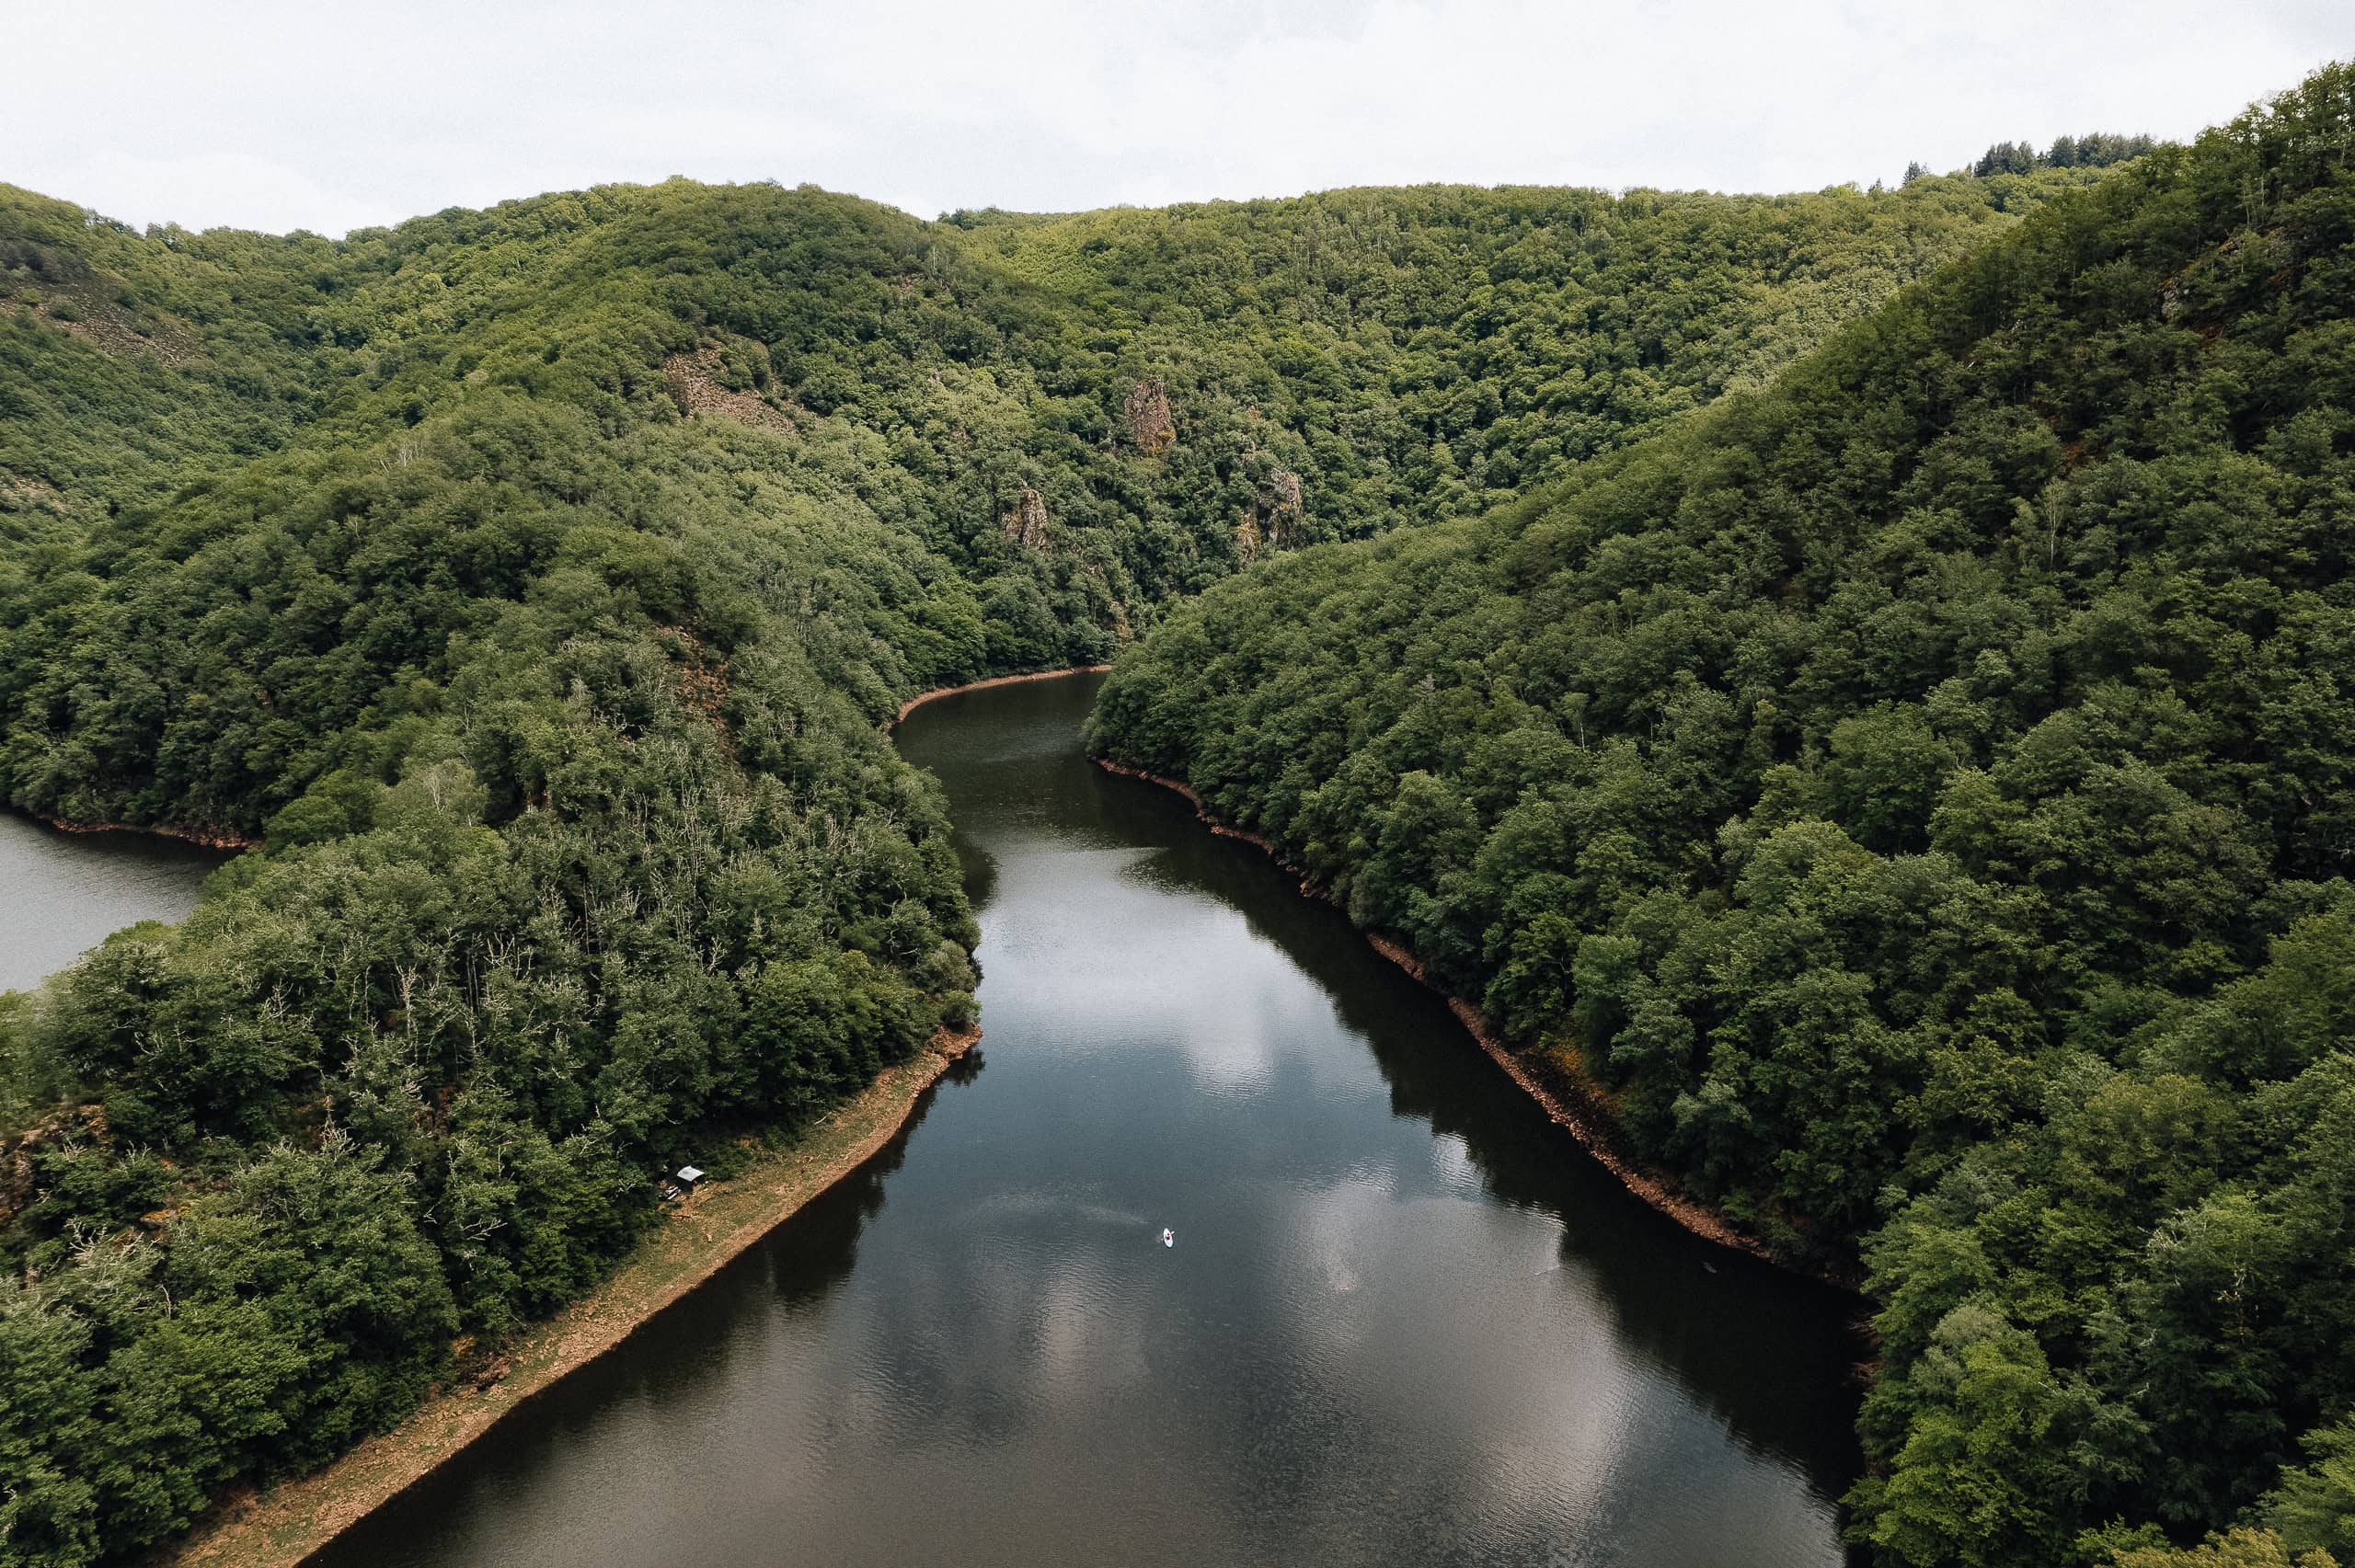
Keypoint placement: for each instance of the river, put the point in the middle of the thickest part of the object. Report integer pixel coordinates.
(62, 893)
(1405, 1321)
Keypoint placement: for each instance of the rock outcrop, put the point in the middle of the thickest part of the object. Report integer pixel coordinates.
(1275, 516)
(1151, 425)
(22, 492)
(66, 1126)
(111, 329)
(1027, 525)
(695, 387)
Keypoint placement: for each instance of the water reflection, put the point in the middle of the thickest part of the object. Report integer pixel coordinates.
(1404, 1320)
(62, 893)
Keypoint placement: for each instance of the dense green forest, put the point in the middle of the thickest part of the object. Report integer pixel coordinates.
(1920, 798)
(531, 585)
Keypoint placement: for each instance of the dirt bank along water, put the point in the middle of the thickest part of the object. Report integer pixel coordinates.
(1405, 1319)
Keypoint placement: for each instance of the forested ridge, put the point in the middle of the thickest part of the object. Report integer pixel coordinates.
(531, 584)
(1917, 796)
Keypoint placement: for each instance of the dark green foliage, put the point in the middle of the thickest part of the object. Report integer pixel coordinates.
(532, 581)
(1918, 792)
(509, 953)
(2099, 150)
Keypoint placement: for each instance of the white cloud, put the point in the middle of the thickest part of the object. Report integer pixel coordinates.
(278, 115)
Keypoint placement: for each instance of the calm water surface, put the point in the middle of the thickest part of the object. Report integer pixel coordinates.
(62, 893)
(1405, 1321)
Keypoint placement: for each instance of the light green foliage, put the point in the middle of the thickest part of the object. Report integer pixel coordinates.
(2233, 1548)
(2314, 1509)
(1919, 791)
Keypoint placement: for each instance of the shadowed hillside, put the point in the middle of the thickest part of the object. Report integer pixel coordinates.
(531, 583)
(1918, 795)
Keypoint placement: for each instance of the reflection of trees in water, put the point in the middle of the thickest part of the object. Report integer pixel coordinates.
(1703, 1314)
(1706, 1330)
(956, 1346)
(69, 891)
(669, 1363)
(979, 867)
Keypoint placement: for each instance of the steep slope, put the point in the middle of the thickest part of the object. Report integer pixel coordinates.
(1417, 353)
(1075, 462)
(125, 358)
(1918, 797)
(533, 582)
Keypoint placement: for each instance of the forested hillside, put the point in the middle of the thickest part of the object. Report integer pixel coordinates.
(1917, 797)
(531, 585)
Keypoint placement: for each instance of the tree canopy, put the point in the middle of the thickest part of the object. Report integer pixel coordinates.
(531, 583)
(1914, 797)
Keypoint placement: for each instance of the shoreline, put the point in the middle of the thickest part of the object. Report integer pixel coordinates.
(921, 698)
(694, 1241)
(1581, 1111)
(230, 843)
(286, 1525)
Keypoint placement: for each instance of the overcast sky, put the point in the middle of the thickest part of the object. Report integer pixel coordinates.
(329, 116)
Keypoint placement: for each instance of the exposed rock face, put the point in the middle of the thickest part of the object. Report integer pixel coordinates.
(22, 492)
(1279, 503)
(67, 1124)
(696, 389)
(114, 330)
(1151, 425)
(1027, 523)
(1284, 486)
(703, 679)
(85, 303)
(1275, 516)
